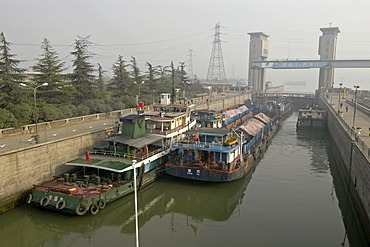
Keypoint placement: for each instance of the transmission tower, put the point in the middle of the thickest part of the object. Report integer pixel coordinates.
(190, 69)
(216, 69)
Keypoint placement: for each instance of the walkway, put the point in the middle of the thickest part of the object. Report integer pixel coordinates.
(362, 119)
(13, 143)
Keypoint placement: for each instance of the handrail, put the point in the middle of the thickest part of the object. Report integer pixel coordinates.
(126, 155)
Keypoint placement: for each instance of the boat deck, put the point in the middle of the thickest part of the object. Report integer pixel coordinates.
(77, 189)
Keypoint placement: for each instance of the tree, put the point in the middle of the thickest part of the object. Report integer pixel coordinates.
(7, 119)
(10, 76)
(135, 70)
(101, 92)
(82, 77)
(120, 82)
(151, 76)
(24, 113)
(50, 70)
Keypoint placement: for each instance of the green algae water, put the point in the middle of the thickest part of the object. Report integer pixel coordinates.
(293, 198)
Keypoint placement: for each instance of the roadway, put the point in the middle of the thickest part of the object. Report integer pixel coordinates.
(362, 119)
(20, 141)
(11, 143)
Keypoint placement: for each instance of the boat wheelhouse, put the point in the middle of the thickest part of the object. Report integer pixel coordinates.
(209, 118)
(169, 120)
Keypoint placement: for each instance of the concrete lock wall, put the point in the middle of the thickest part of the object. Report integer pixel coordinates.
(21, 169)
(358, 168)
(221, 104)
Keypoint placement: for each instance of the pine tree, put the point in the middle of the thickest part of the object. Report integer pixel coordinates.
(82, 77)
(101, 92)
(50, 70)
(135, 70)
(151, 76)
(10, 76)
(120, 82)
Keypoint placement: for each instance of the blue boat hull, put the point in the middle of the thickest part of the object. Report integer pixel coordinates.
(208, 175)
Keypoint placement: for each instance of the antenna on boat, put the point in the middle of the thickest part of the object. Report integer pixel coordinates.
(135, 195)
(233, 130)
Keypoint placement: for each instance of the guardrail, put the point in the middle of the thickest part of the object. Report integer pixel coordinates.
(359, 107)
(24, 141)
(127, 155)
(30, 128)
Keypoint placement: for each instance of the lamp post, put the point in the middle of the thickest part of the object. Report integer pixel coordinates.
(172, 79)
(135, 197)
(340, 88)
(355, 106)
(139, 86)
(34, 100)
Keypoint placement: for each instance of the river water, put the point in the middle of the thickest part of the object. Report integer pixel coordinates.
(293, 198)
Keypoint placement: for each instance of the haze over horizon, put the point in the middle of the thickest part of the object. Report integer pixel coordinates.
(163, 31)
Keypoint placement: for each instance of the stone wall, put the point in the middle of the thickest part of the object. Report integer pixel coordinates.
(21, 169)
(224, 103)
(356, 166)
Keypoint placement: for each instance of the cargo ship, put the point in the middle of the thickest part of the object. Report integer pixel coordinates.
(311, 118)
(222, 155)
(282, 106)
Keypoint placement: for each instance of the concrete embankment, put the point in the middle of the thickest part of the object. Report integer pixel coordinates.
(22, 168)
(355, 155)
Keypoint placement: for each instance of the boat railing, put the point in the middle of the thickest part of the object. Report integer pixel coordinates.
(199, 144)
(136, 156)
(166, 132)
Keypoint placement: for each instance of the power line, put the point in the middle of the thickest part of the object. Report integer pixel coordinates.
(154, 42)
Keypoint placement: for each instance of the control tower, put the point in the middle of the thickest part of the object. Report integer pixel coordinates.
(327, 51)
(258, 51)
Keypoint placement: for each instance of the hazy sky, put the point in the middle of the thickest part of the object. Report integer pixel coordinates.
(161, 31)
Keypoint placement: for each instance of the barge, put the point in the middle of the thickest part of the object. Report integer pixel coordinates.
(222, 155)
(311, 118)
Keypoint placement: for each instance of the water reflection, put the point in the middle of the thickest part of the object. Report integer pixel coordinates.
(168, 196)
(196, 201)
(316, 143)
(354, 234)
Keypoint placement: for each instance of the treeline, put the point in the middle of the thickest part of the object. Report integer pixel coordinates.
(85, 90)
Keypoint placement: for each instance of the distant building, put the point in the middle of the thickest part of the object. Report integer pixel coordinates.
(327, 51)
(258, 51)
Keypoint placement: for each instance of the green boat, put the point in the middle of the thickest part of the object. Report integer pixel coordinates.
(106, 172)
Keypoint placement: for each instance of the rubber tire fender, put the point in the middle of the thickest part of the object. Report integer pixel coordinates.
(81, 210)
(29, 198)
(102, 203)
(94, 209)
(45, 201)
(60, 204)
